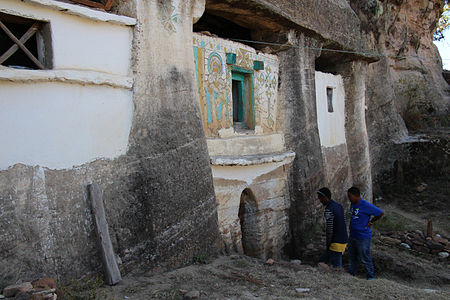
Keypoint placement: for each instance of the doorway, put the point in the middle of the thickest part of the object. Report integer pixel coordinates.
(249, 223)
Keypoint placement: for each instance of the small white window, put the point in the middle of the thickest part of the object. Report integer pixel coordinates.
(330, 99)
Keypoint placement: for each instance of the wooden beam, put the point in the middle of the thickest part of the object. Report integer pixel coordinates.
(106, 6)
(30, 32)
(21, 46)
(112, 273)
(430, 228)
(90, 3)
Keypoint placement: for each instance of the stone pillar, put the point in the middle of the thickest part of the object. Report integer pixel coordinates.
(174, 183)
(298, 121)
(354, 74)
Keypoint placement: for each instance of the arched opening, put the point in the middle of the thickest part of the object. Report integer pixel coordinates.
(249, 225)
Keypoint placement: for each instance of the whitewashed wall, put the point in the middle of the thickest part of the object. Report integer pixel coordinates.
(71, 125)
(331, 124)
(81, 110)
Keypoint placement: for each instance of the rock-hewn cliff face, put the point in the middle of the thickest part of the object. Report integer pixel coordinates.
(405, 88)
(159, 196)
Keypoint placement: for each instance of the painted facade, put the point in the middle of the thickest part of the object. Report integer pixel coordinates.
(215, 72)
(249, 166)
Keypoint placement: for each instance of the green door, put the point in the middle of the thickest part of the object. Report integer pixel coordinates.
(238, 97)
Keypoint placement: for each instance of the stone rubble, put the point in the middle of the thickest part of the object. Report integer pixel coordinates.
(40, 289)
(422, 187)
(405, 245)
(416, 240)
(302, 290)
(13, 290)
(323, 266)
(192, 295)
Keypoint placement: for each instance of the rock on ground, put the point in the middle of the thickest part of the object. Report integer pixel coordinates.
(13, 290)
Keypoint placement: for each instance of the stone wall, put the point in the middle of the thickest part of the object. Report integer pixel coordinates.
(269, 230)
(158, 196)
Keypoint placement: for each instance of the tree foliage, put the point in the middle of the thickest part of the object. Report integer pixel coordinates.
(443, 24)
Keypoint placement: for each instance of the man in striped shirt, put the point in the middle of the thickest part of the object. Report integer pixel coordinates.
(336, 230)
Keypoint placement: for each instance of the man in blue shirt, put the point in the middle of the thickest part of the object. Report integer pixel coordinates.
(360, 233)
(336, 231)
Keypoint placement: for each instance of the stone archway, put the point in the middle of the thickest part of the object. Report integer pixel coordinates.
(249, 224)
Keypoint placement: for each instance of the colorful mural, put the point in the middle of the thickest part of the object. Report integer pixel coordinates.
(214, 78)
(267, 80)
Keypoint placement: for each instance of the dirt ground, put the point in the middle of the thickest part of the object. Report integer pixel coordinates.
(241, 277)
(401, 273)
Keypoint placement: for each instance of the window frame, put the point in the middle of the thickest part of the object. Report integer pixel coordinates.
(38, 30)
(330, 100)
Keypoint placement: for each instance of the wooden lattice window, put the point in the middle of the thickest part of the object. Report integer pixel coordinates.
(25, 43)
